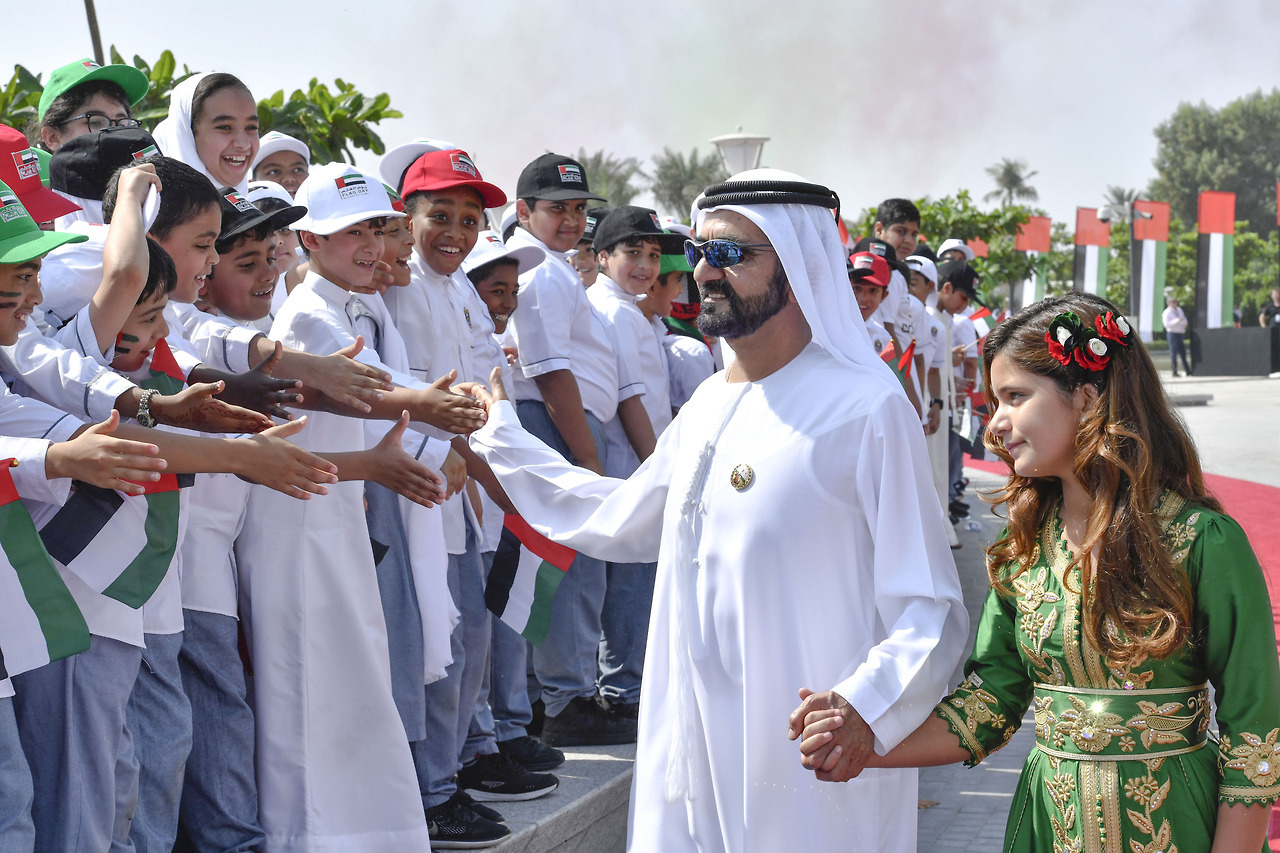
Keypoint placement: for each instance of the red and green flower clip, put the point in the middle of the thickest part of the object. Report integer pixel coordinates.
(1072, 342)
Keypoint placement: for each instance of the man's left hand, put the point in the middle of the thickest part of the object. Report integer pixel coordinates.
(841, 750)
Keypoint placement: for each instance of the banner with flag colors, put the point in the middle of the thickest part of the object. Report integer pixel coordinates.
(1150, 258)
(1093, 249)
(1215, 260)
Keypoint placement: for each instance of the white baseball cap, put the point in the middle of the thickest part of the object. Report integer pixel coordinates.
(337, 195)
(275, 141)
(953, 243)
(394, 163)
(508, 218)
(924, 266)
(489, 247)
(259, 190)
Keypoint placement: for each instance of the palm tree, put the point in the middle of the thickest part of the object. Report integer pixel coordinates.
(1011, 178)
(610, 176)
(1120, 201)
(677, 180)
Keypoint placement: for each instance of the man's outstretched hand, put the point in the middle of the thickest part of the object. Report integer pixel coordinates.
(835, 742)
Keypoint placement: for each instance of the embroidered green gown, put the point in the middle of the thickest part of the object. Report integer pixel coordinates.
(1124, 761)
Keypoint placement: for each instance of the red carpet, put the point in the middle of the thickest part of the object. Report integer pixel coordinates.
(1254, 506)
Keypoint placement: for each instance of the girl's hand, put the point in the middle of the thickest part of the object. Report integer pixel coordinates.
(195, 408)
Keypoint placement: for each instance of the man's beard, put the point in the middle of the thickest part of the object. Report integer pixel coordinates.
(742, 317)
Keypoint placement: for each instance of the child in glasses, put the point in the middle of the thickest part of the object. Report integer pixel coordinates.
(85, 97)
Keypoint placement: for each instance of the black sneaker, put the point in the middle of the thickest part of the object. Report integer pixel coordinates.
(959, 507)
(496, 777)
(530, 754)
(453, 825)
(482, 810)
(584, 723)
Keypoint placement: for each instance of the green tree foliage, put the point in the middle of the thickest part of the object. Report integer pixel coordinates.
(20, 99)
(677, 180)
(1012, 182)
(1232, 149)
(332, 124)
(610, 176)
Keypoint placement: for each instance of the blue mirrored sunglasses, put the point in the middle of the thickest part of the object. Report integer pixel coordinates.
(720, 253)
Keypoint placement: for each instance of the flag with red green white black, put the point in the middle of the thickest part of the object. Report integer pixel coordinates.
(1035, 237)
(118, 544)
(1093, 249)
(41, 621)
(527, 571)
(1215, 260)
(1150, 259)
(899, 364)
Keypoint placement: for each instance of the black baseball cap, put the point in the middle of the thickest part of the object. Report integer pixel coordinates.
(961, 275)
(884, 250)
(83, 166)
(628, 222)
(240, 215)
(554, 177)
(595, 216)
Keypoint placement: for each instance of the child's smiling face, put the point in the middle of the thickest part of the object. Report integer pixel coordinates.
(397, 249)
(244, 280)
(226, 134)
(347, 257)
(286, 168)
(446, 225)
(145, 327)
(191, 245)
(19, 294)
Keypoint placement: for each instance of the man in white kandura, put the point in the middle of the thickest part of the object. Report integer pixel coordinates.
(799, 543)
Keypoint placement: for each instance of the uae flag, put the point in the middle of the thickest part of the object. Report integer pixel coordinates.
(527, 570)
(1093, 247)
(982, 321)
(1035, 237)
(900, 364)
(1216, 261)
(1150, 257)
(41, 620)
(121, 545)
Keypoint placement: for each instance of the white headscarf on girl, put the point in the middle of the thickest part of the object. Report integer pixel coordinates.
(175, 137)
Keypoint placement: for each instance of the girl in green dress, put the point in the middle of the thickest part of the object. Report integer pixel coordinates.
(1120, 595)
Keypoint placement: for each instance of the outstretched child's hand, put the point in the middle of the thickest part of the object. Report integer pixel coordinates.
(455, 472)
(195, 408)
(260, 391)
(273, 461)
(345, 380)
(403, 474)
(97, 457)
(452, 412)
(495, 392)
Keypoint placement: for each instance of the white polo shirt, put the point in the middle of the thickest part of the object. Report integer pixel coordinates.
(556, 328)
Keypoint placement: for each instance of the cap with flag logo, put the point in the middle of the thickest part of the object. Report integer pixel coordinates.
(489, 248)
(20, 170)
(83, 166)
(556, 178)
(870, 268)
(275, 141)
(628, 222)
(21, 239)
(66, 78)
(442, 170)
(397, 161)
(337, 196)
(240, 215)
(595, 216)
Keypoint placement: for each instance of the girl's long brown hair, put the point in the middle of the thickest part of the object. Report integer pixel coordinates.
(1130, 447)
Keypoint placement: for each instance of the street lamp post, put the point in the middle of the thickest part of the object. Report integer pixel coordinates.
(740, 151)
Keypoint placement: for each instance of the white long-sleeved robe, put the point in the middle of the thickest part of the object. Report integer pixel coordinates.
(830, 571)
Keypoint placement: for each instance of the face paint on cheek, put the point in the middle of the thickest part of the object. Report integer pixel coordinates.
(122, 338)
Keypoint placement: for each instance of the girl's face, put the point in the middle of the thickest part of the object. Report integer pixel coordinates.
(1035, 421)
(140, 333)
(397, 249)
(226, 134)
(191, 247)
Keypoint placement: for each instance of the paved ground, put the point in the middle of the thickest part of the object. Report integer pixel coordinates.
(1238, 435)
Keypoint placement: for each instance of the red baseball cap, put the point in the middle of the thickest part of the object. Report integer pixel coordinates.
(20, 170)
(442, 170)
(869, 267)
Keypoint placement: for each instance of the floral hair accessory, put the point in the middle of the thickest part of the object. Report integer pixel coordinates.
(1072, 342)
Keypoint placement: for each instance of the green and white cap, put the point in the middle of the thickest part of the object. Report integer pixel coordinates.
(21, 239)
(133, 81)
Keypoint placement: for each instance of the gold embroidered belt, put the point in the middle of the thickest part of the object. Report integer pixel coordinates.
(1120, 725)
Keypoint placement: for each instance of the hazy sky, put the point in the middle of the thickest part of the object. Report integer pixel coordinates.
(874, 99)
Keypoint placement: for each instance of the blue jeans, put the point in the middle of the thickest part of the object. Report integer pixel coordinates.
(17, 832)
(1177, 348)
(452, 736)
(628, 599)
(566, 664)
(955, 465)
(507, 684)
(71, 720)
(220, 793)
(159, 717)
